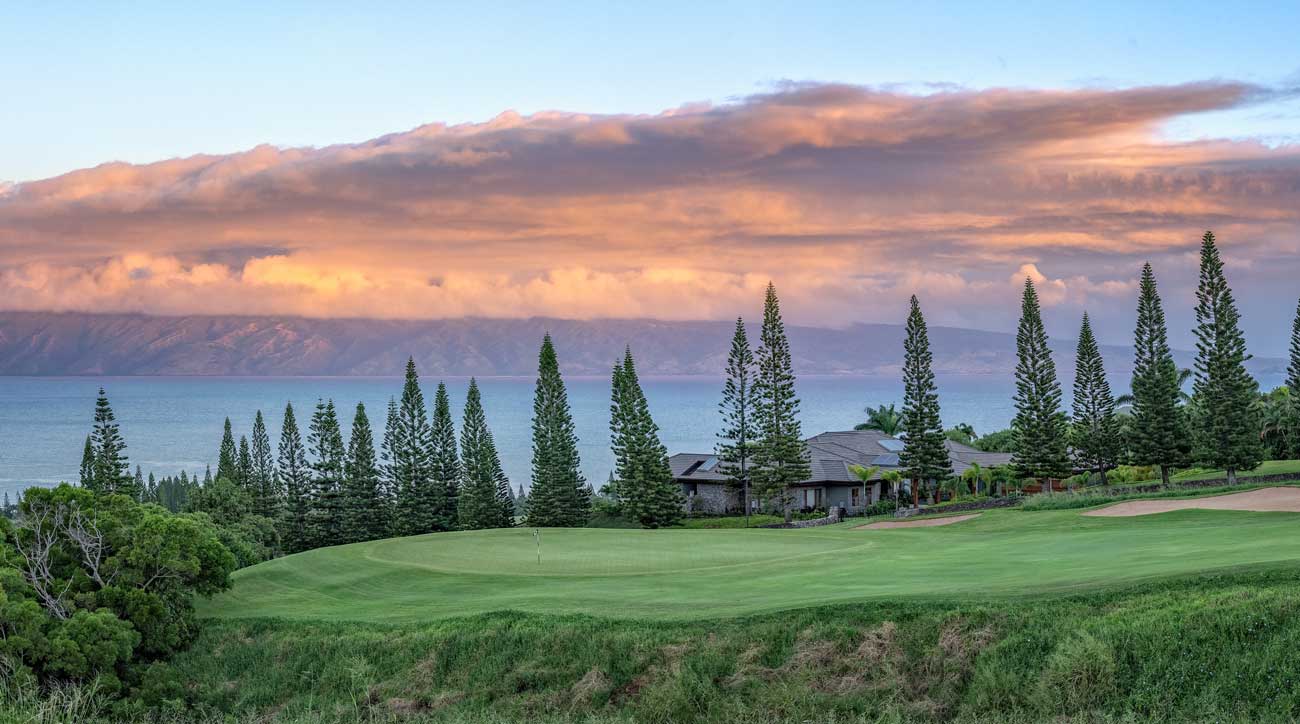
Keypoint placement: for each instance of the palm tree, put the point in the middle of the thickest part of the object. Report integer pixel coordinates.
(895, 480)
(973, 475)
(865, 474)
(885, 419)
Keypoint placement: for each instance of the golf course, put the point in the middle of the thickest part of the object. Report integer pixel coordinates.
(682, 574)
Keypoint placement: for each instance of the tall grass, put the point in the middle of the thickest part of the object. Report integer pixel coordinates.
(1089, 499)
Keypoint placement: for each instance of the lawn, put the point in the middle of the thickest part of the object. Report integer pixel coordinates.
(680, 575)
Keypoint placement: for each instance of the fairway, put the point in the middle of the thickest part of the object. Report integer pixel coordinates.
(686, 574)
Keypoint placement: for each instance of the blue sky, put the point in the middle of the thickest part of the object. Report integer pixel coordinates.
(92, 82)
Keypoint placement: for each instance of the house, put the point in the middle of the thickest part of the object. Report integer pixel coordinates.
(832, 483)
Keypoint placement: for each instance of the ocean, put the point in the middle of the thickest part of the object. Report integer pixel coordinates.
(175, 423)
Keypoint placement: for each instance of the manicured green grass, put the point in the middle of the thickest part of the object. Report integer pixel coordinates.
(678, 575)
(731, 521)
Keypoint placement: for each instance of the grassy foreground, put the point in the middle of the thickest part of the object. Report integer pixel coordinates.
(683, 575)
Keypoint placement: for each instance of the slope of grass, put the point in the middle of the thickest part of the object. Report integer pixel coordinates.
(1199, 649)
(675, 575)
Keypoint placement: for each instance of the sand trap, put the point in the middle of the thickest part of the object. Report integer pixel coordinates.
(926, 523)
(1262, 500)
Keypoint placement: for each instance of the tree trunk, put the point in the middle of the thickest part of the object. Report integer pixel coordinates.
(1164, 476)
(1232, 476)
(1104, 481)
(916, 493)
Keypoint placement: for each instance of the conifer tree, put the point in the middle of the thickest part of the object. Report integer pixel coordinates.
(559, 496)
(480, 501)
(111, 473)
(244, 465)
(87, 474)
(925, 453)
(228, 455)
(445, 460)
(1094, 431)
(266, 499)
(735, 448)
(328, 458)
(1158, 435)
(386, 456)
(1039, 428)
(207, 475)
(151, 489)
(294, 478)
(1224, 395)
(1293, 382)
(142, 489)
(418, 499)
(645, 484)
(780, 455)
(363, 506)
(521, 502)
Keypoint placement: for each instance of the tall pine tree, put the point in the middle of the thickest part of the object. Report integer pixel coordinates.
(1224, 395)
(645, 484)
(111, 473)
(925, 453)
(1158, 435)
(228, 455)
(1094, 431)
(386, 458)
(559, 496)
(294, 478)
(735, 449)
(244, 465)
(364, 509)
(266, 501)
(480, 501)
(418, 499)
(86, 477)
(445, 459)
(1293, 383)
(1039, 428)
(328, 458)
(780, 455)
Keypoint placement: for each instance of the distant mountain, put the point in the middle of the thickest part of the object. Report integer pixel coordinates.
(48, 343)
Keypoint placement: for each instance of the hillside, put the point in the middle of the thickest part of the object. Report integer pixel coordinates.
(39, 343)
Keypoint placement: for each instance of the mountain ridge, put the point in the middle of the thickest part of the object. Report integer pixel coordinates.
(75, 343)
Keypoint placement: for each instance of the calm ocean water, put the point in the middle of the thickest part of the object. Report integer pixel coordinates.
(174, 423)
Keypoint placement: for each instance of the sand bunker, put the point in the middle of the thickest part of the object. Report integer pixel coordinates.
(926, 523)
(1264, 499)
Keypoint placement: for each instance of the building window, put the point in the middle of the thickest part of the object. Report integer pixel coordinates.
(856, 497)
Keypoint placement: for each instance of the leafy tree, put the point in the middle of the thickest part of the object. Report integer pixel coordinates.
(294, 477)
(1094, 431)
(266, 497)
(780, 457)
(884, 418)
(111, 473)
(559, 496)
(1226, 424)
(646, 488)
(250, 537)
(1040, 426)
(925, 454)
(419, 500)
(996, 441)
(445, 460)
(739, 434)
(92, 585)
(962, 432)
(328, 457)
(228, 455)
(483, 503)
(1158, 435)
(365, 514)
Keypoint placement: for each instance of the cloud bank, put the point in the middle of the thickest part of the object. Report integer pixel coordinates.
(850, 198)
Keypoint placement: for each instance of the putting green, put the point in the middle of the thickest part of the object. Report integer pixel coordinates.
(679, 574)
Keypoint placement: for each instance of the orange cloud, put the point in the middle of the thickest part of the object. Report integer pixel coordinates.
(850, 198)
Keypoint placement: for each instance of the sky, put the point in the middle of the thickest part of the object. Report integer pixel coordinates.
(589, 160)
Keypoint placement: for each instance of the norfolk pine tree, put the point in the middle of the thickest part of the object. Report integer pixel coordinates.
(645, 481)
(479, 503)
(1158, 434)
(244, 465)
(228, 455)
(736, 440)
(111, 473)
(1039, 427)
(780, 456)
(925, 452)
(328, 458)
(1225, 414)
(1094, 431)
(1293, 382)
(294, 478)
(363, 506)
(445, 460)
(418, 500)
(266, 500)
(558, 495)
(86, 477)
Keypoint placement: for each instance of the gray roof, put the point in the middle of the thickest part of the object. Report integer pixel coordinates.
(833, 454)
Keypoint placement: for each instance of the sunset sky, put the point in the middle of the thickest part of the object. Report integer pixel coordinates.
(583, 161)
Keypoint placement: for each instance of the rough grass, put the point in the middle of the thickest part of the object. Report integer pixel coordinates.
(1092, 499)
(1206, 648)
(675, 575)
